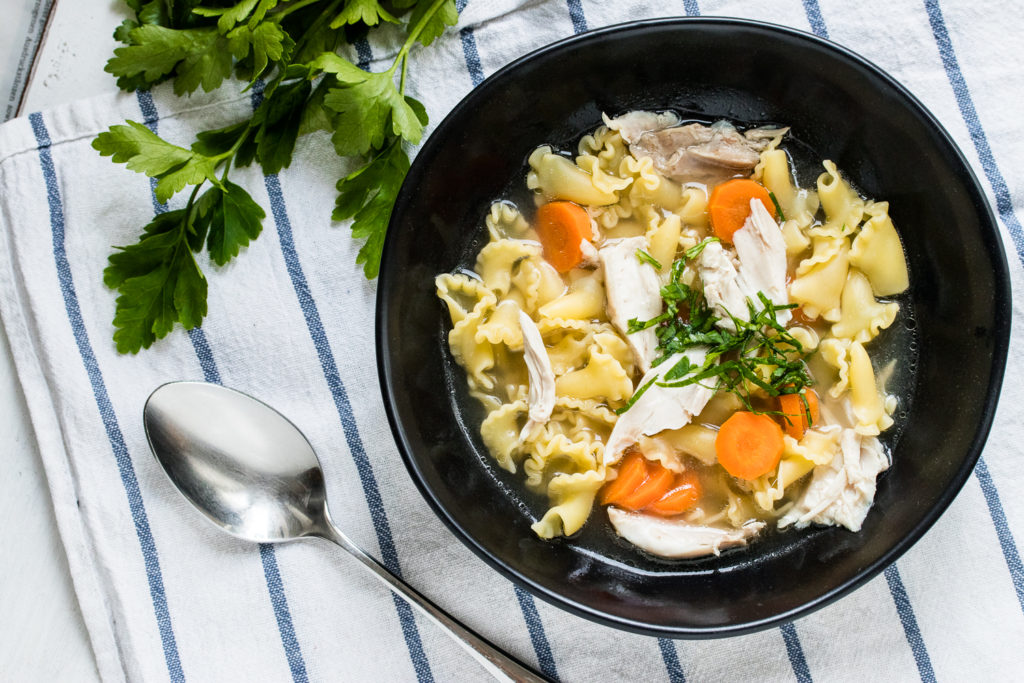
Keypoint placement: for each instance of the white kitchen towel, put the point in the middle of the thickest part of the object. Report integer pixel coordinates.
(167, 596)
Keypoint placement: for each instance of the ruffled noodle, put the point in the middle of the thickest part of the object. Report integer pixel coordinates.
(501, 327)
(862, 316)
(663, 238)
(835, 352)
(554, 450)
(602, 179)
(572, 498)
(878, 253)
(585, 300)
(602, 377)
(504, 221)
(820, 280)
(866, 401)
(477, 357)
(568, 351)
(495, 262)
(556, 177)
(461, 294)
(500, 433)
(844, 208)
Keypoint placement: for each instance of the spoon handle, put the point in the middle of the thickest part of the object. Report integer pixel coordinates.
(500, 665)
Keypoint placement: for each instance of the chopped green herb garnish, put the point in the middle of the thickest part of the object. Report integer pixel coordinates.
(694, 251)
(644, 257)
(760, 354)
(778, 208)
(636, 396)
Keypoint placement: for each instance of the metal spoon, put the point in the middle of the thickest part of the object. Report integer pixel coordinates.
(253, 473)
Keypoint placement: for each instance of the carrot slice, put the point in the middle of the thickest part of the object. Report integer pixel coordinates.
(683, 495)
(632, 473)
(749, 445)
(659, 479)
(561, 226)
(794, 412)
(729, 205)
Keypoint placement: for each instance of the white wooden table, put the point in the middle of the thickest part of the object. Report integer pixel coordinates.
(42, 637)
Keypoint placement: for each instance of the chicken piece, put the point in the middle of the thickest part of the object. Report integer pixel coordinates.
(633, 291)
(634, 124)
(761, 249)
(658, 408)
(704, 154)
(541, 397)
(676, 539)
(840, 493)
(722, 286)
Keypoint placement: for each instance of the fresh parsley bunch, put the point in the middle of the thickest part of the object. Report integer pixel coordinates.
(290, 46)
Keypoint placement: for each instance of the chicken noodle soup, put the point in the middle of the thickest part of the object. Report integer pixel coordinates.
(680, 332)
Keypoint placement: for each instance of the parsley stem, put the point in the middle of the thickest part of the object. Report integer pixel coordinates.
(314, 28)
(285, 11)
(418, 29)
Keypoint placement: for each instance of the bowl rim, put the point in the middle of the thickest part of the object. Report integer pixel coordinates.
(995, 251)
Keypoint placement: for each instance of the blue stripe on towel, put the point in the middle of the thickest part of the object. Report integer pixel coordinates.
(579, 20)
(909, 621)
(671, 658)
(537, 635)
(275, 585)
(476, 71)
(125, 467)
(995, 509)
(691, 8)
(796, 653)
(348, 422)
(813, 11)
(150, 118)
(1004, 204)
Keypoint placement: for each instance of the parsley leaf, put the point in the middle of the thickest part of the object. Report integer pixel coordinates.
(158, 282)
(370, 110)
(368, 12)
(231, 219)
(368, 195)
(269, 43)
(446, 14)
(281, 116)
(145, 152)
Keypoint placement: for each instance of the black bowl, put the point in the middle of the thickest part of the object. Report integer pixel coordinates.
(843, 108)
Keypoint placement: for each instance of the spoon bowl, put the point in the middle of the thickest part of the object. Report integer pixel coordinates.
(251, 472)
(240, 462)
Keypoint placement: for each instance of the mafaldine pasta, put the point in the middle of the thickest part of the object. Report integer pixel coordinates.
(679, 333)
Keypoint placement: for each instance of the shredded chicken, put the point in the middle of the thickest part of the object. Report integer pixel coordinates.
(658, 408)
(704, 154)
(634, 124)
(676, 539)
(761, 249)
(589, 252)
(633, 291)
(541, 397)
(723, 290)
(841, 492)
(761, 267)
